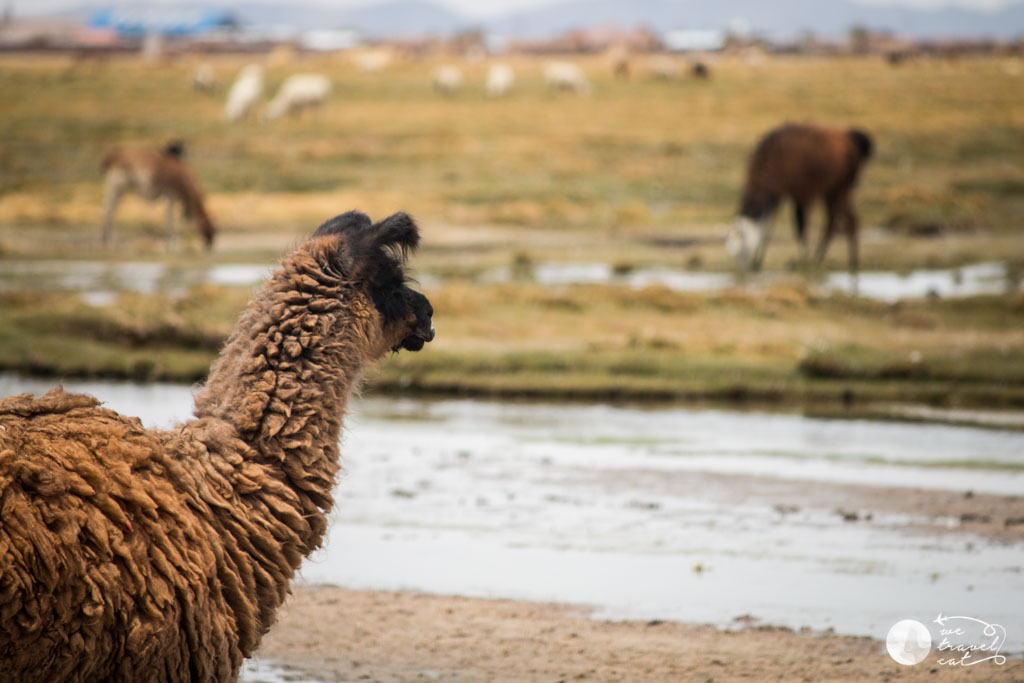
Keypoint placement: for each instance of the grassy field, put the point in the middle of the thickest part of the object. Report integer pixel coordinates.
(783, 345)
(642, 172)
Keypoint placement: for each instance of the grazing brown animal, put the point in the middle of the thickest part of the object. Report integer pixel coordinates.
(802, 163)
(154, 174)
(133, 554)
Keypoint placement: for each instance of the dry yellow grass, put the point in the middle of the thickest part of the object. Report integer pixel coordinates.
(635, 156)
(625, 176)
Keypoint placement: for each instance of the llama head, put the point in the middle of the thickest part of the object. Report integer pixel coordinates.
(175, 148)
(206, 229)
(863, 142)
(372, 256)
(742, 240)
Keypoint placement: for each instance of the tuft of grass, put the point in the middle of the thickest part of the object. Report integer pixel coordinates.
(139, 337)
(780, 345)
(987, 366)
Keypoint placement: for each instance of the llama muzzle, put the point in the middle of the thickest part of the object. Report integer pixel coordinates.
(423, 331)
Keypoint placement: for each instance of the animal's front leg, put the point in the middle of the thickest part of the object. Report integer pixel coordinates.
(172, 233)
(800, 225)
(833, 209)
(110, 201)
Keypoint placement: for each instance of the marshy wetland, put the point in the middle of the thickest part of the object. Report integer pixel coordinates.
(698, 437)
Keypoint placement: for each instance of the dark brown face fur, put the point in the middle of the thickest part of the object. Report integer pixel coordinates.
(375, 253)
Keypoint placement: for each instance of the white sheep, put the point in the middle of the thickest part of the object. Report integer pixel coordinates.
(447, 79)
(297, 93)
(566, 76)
(245, 92)
(500, 78)
(204, 79)
(372, 61)
(664, 68)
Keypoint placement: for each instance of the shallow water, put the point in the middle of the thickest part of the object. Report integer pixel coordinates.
(971, 280)
(951, 283)
(568, 273)
(102, 281)
(622, 509)
(258, 670)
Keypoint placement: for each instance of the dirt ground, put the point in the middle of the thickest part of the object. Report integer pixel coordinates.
(331, 634)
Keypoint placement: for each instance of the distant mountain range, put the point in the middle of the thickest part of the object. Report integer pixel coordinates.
(777, 19)
(774, 18)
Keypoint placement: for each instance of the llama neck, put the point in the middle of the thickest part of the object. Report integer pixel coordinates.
(194, 201)
(262, 453)
(756, 204)
(282, 384)
(185, 187)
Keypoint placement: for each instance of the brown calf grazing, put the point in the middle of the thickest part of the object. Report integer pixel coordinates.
(802, 163)
(153, 174)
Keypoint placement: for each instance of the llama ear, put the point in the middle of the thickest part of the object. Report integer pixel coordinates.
(372, 248)
(397, 232)
(350, 222)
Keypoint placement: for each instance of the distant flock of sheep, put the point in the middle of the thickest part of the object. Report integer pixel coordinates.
(501, 77)
(302, 91)
(298, 92)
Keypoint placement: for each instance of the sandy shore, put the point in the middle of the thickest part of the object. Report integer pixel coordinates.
(330, 634)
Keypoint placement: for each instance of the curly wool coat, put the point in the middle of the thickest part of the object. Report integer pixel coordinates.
(134, 554)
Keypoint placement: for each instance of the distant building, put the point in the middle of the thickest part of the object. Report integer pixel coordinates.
(592, 40)
(136, 22)
(330, 39)
(694, 40)
(35, 34)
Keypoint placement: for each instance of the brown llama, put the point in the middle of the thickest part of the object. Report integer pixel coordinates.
(802, 163)
(153, 174)
(134, 554)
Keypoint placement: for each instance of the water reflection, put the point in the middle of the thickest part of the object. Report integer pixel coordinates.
(970, 280)
(103, 281)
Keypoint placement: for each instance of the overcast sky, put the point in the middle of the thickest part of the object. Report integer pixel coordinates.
(472, 8)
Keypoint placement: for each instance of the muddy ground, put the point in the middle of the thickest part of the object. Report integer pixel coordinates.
(331, 634)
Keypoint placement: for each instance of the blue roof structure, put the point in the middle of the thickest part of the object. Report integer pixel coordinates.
(137, 22)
